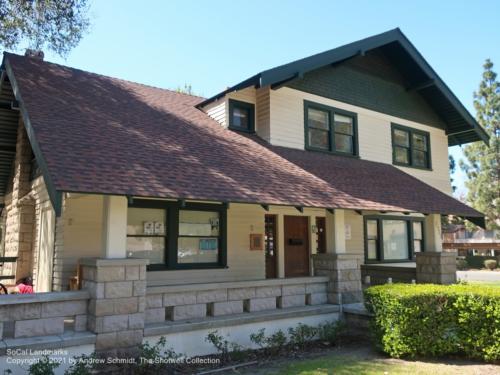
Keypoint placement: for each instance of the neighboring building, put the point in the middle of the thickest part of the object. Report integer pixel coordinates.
(480, 242)
(315, 167)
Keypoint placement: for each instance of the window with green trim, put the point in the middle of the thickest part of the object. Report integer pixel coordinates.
(392, 238)
(330, 129)
(410, 147)
(177, 236)
(241, 116)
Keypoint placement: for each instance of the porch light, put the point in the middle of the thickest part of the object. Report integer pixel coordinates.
(314, 228)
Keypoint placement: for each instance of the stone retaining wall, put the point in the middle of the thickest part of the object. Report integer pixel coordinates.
(181, 302)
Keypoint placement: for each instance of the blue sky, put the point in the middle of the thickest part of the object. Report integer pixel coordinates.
(214, 44)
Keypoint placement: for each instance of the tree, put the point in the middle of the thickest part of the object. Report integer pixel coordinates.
(54, 24)
(452, 168)
(187, 89)
(483, 161)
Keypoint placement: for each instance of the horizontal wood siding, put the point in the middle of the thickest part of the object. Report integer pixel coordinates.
(217, 111)
(263, 124)
(78, 235)
(374, 129)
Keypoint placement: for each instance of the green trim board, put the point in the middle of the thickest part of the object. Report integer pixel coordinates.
(380, 237)
(331, 128)
(411, 146)
(461, 127)
(249, 107)
(171, 234)
(54, 195)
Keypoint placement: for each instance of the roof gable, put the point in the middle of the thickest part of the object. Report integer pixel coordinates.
(461, 126)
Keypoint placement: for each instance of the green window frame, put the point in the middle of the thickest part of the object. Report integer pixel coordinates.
(236, 106)
(171, 234)
(374, 238)
(333, 130)
(411, 147)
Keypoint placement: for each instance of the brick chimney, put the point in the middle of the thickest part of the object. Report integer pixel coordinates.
(34, 54)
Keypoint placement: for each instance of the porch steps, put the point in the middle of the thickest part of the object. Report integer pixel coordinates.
(165, 328)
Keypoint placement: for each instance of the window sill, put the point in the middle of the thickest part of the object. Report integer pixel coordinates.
(337, 153)
(191, 266)
(251, 131)
(411, 166)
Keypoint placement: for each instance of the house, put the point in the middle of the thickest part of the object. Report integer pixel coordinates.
(271, 195)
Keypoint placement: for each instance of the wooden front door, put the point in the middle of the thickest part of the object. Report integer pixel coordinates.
(270, 247)
(296, 246)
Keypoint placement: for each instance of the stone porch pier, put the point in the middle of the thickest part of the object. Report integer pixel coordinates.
(343, 270)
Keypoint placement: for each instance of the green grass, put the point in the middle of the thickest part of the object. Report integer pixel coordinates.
(347, 365)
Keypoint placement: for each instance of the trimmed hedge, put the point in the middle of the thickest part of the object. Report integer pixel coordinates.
(436, 320)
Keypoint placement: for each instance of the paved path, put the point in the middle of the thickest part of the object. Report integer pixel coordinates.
(490, 276)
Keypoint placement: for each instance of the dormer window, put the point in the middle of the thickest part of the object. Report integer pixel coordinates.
(241, 116)
(330, 129)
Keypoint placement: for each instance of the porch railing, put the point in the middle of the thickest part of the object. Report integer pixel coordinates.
(195, 301)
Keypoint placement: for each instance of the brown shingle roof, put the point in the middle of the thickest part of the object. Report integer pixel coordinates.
(104, 135)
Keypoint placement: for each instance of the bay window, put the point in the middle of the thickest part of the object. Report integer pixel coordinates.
(177, 236)
(392, 238)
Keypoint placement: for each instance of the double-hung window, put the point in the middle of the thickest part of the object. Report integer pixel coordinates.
(410, 147)
(392, 238)
(330, 129)
(175, 235)
(241, 116)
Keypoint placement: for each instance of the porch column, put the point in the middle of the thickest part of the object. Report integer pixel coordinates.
(434, 265)
(342, 268)
(114, 227)
(117, 287)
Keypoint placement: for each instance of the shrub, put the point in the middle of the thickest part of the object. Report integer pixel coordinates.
(436, 320)
(155, 357)
(300, 335)
(462, 264)
(329, 332)
(44, 366)
(490, 264)
(227, 350)
(477, 261)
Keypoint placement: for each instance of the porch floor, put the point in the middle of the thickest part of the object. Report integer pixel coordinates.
(168, 327)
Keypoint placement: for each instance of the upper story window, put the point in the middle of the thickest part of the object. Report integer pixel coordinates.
(410, 147)
(241, 116)
(330, 129)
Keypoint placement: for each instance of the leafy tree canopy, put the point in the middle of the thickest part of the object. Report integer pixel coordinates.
(483, 161)
(54, 24)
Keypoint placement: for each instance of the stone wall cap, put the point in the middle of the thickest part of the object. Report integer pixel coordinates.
(103, 262)
(67, 339)
(156, 329)
(437, 254)
(19, 299)
(156, 289)
(342, 256)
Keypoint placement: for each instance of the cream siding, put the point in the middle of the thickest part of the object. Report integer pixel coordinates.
(217, 111)
(374, 133)
(78, 235)
(263, 113)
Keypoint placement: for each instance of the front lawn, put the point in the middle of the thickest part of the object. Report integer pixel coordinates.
(354, 365)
